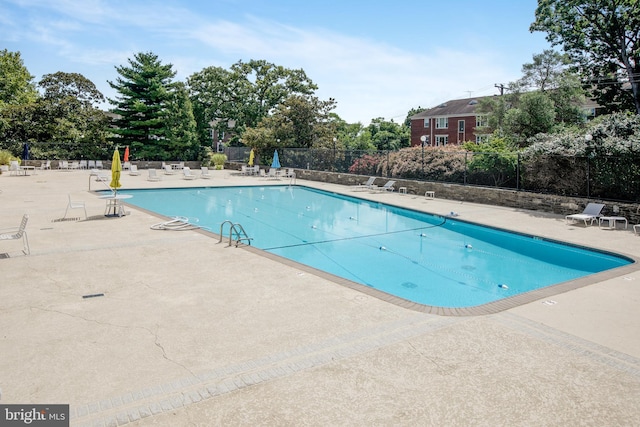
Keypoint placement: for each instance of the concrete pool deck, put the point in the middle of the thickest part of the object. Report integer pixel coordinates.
(192, 332)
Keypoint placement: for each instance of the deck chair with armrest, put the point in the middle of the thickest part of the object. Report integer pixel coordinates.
(188, 174)
(133, 170)
(153, 176)
(591, 213)
(205, 173)
(18, 233)
(387, 187)
(365, 185)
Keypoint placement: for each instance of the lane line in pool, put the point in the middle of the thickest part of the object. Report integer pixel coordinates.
(364, 236)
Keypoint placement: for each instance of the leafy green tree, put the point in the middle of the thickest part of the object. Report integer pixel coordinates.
(388, 135)
(498, 158)
(19, 124)
(495, 108)
(144, 89)
(246, 94)
(351, 136)
(181, 141)
(550, 73)
(262, 140)
(533, 114)
(16, 83)
(602, 38)
(303, 121)
(215, 95)
(73, 124)
(64, 122)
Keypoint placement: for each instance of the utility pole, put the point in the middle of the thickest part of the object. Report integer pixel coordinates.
(501, 87)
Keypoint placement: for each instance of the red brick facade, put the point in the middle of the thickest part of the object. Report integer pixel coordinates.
(453, 122)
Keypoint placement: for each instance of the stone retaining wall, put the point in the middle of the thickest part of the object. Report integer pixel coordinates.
(486, 195)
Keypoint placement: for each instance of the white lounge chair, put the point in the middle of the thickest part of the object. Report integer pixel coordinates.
(83, 164)
(99, 164)
(18, 233)
(274, 173)
(75, 205)
(205, 173)
(365, 185)
(591, 213)
(45, 165)
(91, 164)
(168, 170)
(133, 170)
(187, 173)
(153, 176)
(387, 187)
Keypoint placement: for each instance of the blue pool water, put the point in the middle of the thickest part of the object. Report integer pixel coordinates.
(424, 258)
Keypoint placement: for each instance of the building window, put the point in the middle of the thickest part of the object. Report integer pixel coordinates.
(482, 139)
(441, 140)
(426, 123)
(481, 121)
(442, 122)
(460, 125)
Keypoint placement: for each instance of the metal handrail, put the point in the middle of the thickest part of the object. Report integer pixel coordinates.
(240, 233)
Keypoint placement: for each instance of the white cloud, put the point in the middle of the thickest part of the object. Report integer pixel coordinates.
(367, 78)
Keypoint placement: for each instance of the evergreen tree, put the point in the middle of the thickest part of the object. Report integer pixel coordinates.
(145, 90)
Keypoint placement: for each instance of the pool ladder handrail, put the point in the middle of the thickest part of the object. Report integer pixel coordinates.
(237, 230)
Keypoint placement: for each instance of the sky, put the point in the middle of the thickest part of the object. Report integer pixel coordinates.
(375, 58)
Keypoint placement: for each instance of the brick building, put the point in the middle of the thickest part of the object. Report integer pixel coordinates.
(453, 122)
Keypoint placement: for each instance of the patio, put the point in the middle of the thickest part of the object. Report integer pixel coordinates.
(136, 326)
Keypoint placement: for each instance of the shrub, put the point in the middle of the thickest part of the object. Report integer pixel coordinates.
(435, 164)
(366, 164)
(219, 159)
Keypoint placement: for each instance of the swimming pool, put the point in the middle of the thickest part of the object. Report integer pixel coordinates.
(424, 258)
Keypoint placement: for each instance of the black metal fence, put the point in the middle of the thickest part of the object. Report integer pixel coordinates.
(602, 177)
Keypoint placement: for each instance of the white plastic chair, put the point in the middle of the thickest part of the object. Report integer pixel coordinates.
(133, 170)
(75, 205)
(18, 233)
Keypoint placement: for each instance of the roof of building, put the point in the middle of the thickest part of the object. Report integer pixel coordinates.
(455, 107)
